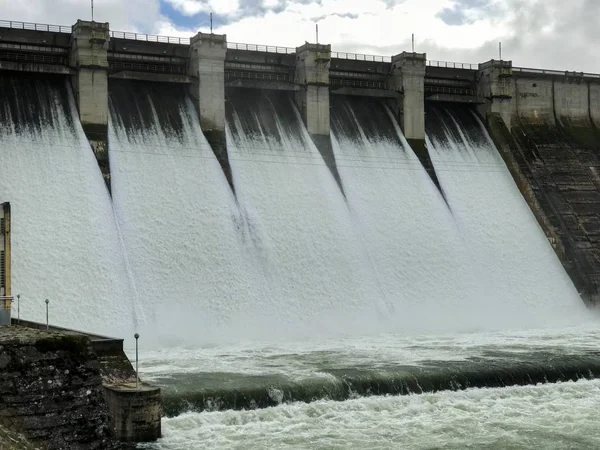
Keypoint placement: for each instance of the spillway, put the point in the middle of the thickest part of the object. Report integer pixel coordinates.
(189, 245)
(523, 277)
(66, 246)
(414, 246)
(311, 252)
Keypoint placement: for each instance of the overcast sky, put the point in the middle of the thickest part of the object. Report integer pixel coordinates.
(553, 34)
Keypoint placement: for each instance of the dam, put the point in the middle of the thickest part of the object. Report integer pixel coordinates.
(299, 225)
(521, 107)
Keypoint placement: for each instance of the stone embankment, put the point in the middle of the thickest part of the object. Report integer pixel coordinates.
(51, 391)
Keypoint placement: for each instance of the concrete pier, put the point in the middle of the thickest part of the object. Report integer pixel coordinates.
(134, 413)
(88, 58)
(496, 87)
(312, 75)
(408, 78)
(207, 69)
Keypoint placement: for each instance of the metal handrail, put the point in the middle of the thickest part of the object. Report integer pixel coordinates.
(141, 67)
(149, 37)
(360, 83)
(452, 65)
(258, 76)
(358, 75)
(260, 48)
(17, 25)
(449, 90)
(34, 26)
(30, 57)
(361, 57)
(445, 82)
(554, 72)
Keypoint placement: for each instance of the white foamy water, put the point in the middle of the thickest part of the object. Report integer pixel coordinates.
(532, 417)
(304, 359)
(557, 416)
(186, 240)
(310, 250)
(65, 241)
(412, 241)
(523, 277)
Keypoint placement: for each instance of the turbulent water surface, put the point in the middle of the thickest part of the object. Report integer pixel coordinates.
(558, 415)
(555, 416)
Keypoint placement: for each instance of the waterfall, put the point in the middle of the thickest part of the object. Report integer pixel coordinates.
(65, 240)
(524, 280)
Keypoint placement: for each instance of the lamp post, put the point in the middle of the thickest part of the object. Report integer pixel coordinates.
(136, 336)
(18, 309)
(47, 301)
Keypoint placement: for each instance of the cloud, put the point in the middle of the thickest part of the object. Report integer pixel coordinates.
(468, 11)
(193, 7)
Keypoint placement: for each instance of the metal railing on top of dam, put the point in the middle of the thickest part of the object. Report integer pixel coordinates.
(452, 65)
(261, 48)
(273, 49)
(149, 37)
(361, 57)
(554, 72)
(34, 26)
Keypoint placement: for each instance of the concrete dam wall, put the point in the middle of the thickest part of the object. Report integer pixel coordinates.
(544, 123)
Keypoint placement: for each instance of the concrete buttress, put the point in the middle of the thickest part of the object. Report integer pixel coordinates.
(312, 74)
(207, 69)
(88, 58)
(408, 78)
(494, 84)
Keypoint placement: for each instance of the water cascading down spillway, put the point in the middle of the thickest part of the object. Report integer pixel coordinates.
(392, 265)
(184, 233)
(405, 224)
(66, 246)
(310, 251)
(523, 278)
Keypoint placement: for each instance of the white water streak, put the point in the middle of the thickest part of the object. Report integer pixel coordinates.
(65, 242)
(526, 286)
(183, 233)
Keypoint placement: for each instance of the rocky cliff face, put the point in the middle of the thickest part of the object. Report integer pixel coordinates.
(51, 390)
